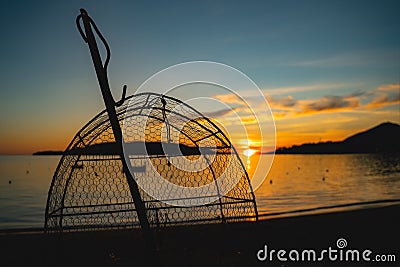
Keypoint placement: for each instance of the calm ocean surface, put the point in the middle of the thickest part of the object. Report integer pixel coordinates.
(294, 182)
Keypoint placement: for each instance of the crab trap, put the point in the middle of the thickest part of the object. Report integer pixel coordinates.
(146, 161)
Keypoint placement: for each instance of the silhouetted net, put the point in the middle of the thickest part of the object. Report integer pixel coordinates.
(89, 189)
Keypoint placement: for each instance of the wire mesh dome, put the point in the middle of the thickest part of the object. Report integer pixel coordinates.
(163, 137)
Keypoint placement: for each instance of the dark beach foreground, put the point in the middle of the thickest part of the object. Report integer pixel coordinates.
(375, 229)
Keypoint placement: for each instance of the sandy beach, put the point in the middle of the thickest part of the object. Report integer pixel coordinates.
(374, 228)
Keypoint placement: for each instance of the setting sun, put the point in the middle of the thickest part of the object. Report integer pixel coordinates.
(249, 152)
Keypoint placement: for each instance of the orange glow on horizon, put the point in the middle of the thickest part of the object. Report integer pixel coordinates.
(289, 132)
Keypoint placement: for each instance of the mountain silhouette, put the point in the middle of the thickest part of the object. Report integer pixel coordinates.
(379, 139)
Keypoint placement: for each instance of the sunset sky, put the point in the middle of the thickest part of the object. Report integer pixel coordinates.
(328, 69)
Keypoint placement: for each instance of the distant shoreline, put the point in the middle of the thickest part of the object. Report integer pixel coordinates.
(277, 152)
(379, 139)
(328, 153)
(48, 153)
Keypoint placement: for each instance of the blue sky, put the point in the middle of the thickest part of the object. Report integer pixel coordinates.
(301, 52)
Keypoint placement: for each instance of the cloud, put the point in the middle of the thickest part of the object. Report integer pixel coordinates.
(220, 113)
(279, 114)
(286, 107)
(305, 88)
(329, 103)
(359, 93)
(287, 101)
(389, 87)
(382, 98)
(385, 97)
(282, 103)
(229, 99)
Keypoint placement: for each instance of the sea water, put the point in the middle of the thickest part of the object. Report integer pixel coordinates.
(294, 182)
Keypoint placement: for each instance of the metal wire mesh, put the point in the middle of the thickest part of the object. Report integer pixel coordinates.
(89, 189)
